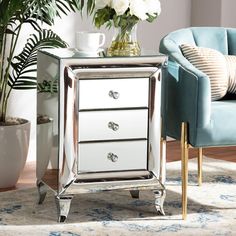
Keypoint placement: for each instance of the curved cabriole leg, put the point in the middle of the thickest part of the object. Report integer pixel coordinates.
(42, 191)
(159, 200)
(134, 193)
(63, 206)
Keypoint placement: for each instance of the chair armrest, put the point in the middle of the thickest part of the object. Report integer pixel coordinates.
(172, 49)
(196, 95)
(187, 98)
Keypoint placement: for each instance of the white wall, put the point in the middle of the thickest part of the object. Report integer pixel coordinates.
(175, 14)
(213, 13)
(206, 13)
(228, 15)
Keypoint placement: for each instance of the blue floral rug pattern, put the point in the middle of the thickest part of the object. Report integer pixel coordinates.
(211, 209)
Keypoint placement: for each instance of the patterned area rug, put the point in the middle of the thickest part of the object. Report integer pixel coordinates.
(211, 209)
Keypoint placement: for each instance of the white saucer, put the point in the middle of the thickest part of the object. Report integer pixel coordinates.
(91, 53)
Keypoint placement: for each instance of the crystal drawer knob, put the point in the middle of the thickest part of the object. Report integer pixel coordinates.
(113, 126)
(114, 94)
(112, 157)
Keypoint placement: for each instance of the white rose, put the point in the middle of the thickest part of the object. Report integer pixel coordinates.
(138, 8)
(153, 7)
(120, 6)
(99, 4)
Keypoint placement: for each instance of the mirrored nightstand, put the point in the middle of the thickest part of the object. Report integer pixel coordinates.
(106, 129)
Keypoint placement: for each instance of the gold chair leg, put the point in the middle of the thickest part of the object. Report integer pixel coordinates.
(163, 161)
(184, 160)
(199, 166)
(163, 156)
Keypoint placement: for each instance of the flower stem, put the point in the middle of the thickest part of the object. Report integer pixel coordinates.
(125, 42)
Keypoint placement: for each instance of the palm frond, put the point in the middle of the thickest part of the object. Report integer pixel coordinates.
(46, 10)
(90, 6)
(32, 22)
(10, 9)
(24, 65)
(19, 72)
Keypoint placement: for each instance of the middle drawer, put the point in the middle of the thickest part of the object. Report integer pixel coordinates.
(110, 125)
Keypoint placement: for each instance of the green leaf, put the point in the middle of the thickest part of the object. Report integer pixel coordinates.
(9, 31)
(24, 64)
(151, 18)
(90, 6)
(47, 10)
(103, 16)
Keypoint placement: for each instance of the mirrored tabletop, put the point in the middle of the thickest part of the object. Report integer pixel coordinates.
(65, 53)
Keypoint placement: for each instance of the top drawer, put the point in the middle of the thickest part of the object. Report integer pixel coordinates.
(113, 93)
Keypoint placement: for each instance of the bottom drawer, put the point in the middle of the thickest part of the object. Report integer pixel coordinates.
(112, 156)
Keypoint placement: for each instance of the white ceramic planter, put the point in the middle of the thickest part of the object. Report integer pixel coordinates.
(44, 147)
(14, 144)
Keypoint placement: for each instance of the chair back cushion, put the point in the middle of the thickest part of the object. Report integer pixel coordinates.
(231, 66)
(218, 38)
(213, 64)
(211, 37)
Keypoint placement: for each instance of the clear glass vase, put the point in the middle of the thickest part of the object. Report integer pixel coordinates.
(124, 42)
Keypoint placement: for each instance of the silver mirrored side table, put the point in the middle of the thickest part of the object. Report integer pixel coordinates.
(105, 132)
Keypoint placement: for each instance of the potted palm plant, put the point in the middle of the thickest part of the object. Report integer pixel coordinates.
(19, 71)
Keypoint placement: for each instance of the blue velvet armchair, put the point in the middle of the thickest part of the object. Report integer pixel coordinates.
(189, 114)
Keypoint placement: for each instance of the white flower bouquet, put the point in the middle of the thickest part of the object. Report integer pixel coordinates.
(123, 15)
(122, 11)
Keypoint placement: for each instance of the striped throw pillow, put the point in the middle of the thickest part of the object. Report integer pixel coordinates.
(231, 65)
(213, 64)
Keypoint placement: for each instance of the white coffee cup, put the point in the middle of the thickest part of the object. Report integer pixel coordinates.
(87, 41)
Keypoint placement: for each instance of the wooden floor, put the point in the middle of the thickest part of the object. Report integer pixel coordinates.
(223, 153)
(28, 178)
